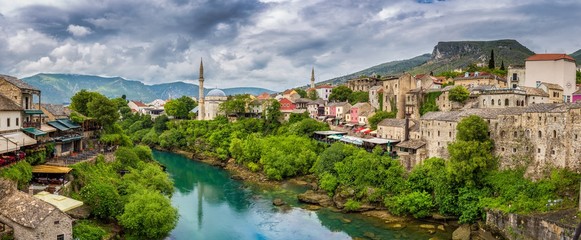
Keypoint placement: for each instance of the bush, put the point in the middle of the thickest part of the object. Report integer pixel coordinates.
(148, 215)
(418, 204)
(20, 172)
(103, 199)
(352, 205)
(86, 230)
(459, 94)
(329, 183)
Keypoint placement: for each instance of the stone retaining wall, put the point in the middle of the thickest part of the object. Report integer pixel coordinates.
(514, 226)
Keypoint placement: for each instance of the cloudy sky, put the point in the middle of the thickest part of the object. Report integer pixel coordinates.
(263, 43)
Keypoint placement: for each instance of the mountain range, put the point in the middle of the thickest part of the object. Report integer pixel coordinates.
(446, 56)
(59, 88)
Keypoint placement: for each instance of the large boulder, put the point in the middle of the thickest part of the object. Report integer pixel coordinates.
(462, 233)
(313, 197)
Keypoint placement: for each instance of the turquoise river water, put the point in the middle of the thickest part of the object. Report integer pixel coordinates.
(213, 206)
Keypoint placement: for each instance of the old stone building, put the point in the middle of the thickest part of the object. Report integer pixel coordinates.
(516, 75)
(555, 91)
(394, 91)
(376, 96)
(538, 136)
(32, 218)
(471, 79)
(363, 84)
(22, 94)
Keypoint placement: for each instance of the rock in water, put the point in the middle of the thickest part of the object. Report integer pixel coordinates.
(462, 233)
(278, 202)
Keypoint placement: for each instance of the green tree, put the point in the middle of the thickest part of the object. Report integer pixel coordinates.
(418, 204)
(502, 65)
(341, 94)
(235, 105)
(378, 117)
(127, 157)
(80, 101)
(20, 172)
(578, 77)
(459, 94)
(491, 64)
(180, 107)
(357, 97)
(103, 110)
(313, 95)
(103, 199)
(148, 215)
(297, 117)
(160, 123)
(471, 154)
(472, 128)
(86, 230)
(301, 92)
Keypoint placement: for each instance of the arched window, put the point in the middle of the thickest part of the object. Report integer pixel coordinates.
(501, 133)
(517, 103)
(540, 134)
(483, 102)
(506, 102)
(492, 102)
(515, 134)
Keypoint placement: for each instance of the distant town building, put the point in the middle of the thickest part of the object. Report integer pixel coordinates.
(516, 75)
(323, 91)
(472, 79)
(363, 84)
(552, 68)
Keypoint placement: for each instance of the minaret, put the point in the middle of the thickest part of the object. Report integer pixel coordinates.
(201, 108)
(313, 77)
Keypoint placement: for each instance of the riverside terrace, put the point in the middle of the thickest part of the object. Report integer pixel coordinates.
(367, 143)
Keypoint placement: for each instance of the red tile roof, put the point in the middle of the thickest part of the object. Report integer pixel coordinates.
(139, 104)
(264, 95)
(549, 57)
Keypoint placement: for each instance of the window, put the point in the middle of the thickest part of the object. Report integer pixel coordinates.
(515, 134)
(60, 237)
(506, 102)
(502, 134)
(540, 134)
(8, 122)
(513, 150)
(56, 222)
(502, 149)
(554, 133)
(438, 133)
(492, 102)
(17, 121)
(450, 135)
(538, 150)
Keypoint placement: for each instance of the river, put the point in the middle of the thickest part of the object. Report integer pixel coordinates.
(213, 206)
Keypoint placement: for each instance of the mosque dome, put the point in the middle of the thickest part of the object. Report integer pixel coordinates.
(216, 93)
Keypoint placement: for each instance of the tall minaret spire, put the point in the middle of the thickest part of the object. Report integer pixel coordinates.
(201, 107)
(313, 77)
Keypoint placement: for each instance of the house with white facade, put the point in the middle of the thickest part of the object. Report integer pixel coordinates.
(552, 68)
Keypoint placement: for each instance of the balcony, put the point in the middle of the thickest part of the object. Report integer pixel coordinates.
(31, 124)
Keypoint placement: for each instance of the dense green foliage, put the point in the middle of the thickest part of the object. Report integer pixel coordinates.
(180, 108)
(136, 199)
(359, 96)
(313, 95)
(578, 77)
(340, 94)
(20, 172)
(92, 104)
(378, 116)
(87, 230)
(491, 62)
(301, 92)
(429, 104)
(235, 105)
(459, 94)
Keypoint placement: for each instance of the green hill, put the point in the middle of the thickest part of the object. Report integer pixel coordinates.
(384, 69)
(448, 56)
(59, 88)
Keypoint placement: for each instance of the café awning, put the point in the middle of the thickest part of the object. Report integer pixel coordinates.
(58, 125)
(34, 131)
(32, 111)
(50, 169)
(61, 202)
(68, 123)
(19, 138)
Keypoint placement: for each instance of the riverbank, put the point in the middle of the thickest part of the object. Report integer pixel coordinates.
(314, 199)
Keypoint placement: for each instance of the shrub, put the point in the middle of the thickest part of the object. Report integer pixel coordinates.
(86, 230)
(418, 204)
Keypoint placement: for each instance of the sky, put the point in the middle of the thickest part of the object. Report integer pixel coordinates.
(261, 43)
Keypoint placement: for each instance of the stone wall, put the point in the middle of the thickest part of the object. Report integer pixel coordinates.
(11, 91)
(514, 226)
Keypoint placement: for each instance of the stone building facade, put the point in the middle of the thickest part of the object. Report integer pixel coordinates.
(32, 218)
(363, 84)
(394, 92)
(374, 96)
(516, 75)
(538, 136)
(471, 79)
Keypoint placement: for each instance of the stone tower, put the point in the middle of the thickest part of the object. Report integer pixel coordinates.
(201, 107)
(313, 77)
